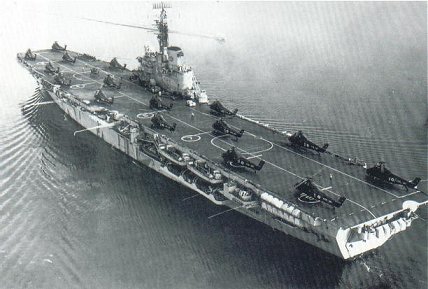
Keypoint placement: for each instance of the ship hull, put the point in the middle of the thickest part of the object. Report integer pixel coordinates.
(122, 144)
(346, 232)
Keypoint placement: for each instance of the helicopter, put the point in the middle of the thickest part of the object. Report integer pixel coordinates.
(67, 58)
(109, 81)
(49, 68)
(232, 158)
(221, 127)
(218, 109)
(60, 79)
(298, 139)
(95, 71)
(380, 172)
(158, 121)
(57, 47)
(86, 57)
(29, 55)
(102, 98)
(307, 192)
(115, 64)
(156, 102)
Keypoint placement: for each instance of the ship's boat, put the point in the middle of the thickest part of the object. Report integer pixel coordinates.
(150, 150)
(99, 110)
(201, 169)
(148, 146)
(242, 193)
(172, 154)
(245, 195)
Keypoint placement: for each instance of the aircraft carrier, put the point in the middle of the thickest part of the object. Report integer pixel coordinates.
(160, 117)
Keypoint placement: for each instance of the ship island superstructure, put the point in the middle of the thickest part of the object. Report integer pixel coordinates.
(189, 153)
(166, 68)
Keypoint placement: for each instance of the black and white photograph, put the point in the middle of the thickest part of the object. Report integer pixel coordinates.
(213, 144)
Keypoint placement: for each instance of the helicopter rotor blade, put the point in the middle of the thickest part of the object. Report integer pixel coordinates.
(218, 38)
(119, 24)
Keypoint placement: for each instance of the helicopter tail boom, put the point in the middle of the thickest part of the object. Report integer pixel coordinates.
(415, 182)
(340, 201)
(324, 147)
(260, 165)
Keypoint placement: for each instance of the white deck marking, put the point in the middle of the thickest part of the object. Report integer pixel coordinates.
(74, 75)
(264, 150)
(191, 138)
(219, 147)
(145, 115)
(252, 157)
(272, 164)
(81, 85)
(201, 133)
(356, 203)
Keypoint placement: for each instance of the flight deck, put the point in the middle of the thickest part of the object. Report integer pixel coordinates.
(285, 165)
(364, 207)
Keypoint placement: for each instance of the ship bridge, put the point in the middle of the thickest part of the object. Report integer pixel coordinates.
(175, 56)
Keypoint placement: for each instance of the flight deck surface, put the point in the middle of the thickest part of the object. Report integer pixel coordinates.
(285, 165)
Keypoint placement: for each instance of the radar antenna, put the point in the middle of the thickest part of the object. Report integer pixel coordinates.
(162, 26)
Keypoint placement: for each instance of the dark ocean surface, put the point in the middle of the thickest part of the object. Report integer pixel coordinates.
(76, 214)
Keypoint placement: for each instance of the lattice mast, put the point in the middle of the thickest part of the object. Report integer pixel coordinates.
(162, 27)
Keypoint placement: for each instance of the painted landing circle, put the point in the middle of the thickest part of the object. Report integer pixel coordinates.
(191, 138)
